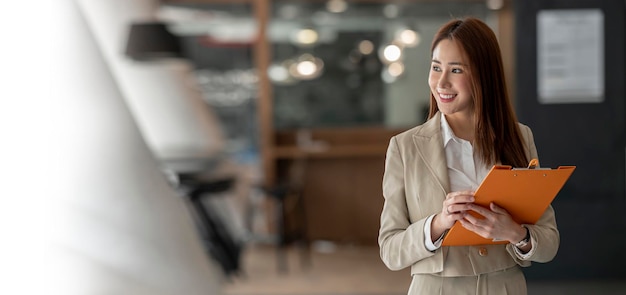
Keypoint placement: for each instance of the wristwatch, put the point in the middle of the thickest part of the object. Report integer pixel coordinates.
(525, 241)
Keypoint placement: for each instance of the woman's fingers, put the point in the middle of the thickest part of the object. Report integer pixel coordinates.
(454, 206)
(457, 208)
(492, 212)
(462, 194)
(497, 209)
(479, 209)
(494, 222)
(456, 202)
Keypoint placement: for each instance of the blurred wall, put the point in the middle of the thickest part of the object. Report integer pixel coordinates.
(587, 133)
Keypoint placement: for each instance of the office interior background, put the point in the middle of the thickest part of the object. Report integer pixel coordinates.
(238, 147)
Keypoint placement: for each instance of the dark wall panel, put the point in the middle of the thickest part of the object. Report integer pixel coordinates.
(590, 208)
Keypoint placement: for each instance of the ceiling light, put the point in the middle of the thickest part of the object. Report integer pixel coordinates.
(336, 6)
(495, 4)
(279, 73)
(391, 53)
(396, 69)
(408, 37)
(307, 67)
(305, 37)
(366, 47)
(392, 72)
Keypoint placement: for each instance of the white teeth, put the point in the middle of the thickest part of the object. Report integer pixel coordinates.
(446, 96)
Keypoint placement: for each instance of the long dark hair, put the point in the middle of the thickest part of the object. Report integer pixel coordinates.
(497, 134)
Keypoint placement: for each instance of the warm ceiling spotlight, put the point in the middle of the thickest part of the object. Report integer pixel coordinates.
(366, 47)
(392, 72)
(306, 37)
(279, 73)
(396, 69)
(336, 6)
(307, 67)
(495, 4)
(408, 37)
(391, 53)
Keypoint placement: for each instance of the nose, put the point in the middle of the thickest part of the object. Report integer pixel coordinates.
(443, 81)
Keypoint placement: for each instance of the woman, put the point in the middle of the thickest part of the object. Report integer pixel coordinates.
(432, 170)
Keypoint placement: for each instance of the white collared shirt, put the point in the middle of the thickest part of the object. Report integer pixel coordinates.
(466, 170)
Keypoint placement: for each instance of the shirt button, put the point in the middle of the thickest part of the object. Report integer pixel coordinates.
(483, 252)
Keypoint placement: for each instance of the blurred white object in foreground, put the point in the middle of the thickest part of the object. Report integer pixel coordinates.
(87, 208)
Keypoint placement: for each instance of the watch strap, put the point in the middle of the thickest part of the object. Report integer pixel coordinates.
(525, 240)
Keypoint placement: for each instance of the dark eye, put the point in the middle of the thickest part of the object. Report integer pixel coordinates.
(457, 71)
(436, 69)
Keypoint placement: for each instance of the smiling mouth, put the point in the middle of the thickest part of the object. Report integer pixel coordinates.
(446, 96)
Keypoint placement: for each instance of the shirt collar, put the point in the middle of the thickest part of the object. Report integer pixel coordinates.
(446, 131)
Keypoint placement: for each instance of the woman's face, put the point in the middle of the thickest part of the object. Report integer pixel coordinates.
(449, 80)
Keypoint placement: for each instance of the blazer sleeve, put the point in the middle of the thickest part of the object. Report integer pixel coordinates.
(544, 233)
(401, 242)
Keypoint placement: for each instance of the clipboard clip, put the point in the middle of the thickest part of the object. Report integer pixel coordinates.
(533, 164)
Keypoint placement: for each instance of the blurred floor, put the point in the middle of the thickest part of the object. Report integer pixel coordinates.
(345, 270)
(352, 270)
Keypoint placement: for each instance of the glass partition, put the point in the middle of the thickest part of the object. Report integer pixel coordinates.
(334, 63)
(349, 64)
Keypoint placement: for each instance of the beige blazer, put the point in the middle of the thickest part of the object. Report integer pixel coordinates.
(415, 184)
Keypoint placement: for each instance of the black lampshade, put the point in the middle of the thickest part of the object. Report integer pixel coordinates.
(149, 41)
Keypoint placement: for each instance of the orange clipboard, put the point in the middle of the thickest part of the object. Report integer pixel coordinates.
(525, 193)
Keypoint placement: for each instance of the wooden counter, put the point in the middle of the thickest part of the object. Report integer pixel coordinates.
(342, 180)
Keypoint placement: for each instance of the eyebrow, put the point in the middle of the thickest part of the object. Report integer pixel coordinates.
(454, 63)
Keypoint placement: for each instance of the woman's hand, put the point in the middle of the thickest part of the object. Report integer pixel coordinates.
(454, 208)
(497, 224)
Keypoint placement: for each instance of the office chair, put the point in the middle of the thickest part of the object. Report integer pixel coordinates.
(290, 212)
(219, 240)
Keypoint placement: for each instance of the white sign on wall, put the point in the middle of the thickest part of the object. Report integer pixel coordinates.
(570, 56)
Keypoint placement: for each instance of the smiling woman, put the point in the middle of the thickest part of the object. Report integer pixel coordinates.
(432, 170)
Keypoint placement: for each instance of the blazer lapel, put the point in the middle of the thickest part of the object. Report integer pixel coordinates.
(429, 143)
